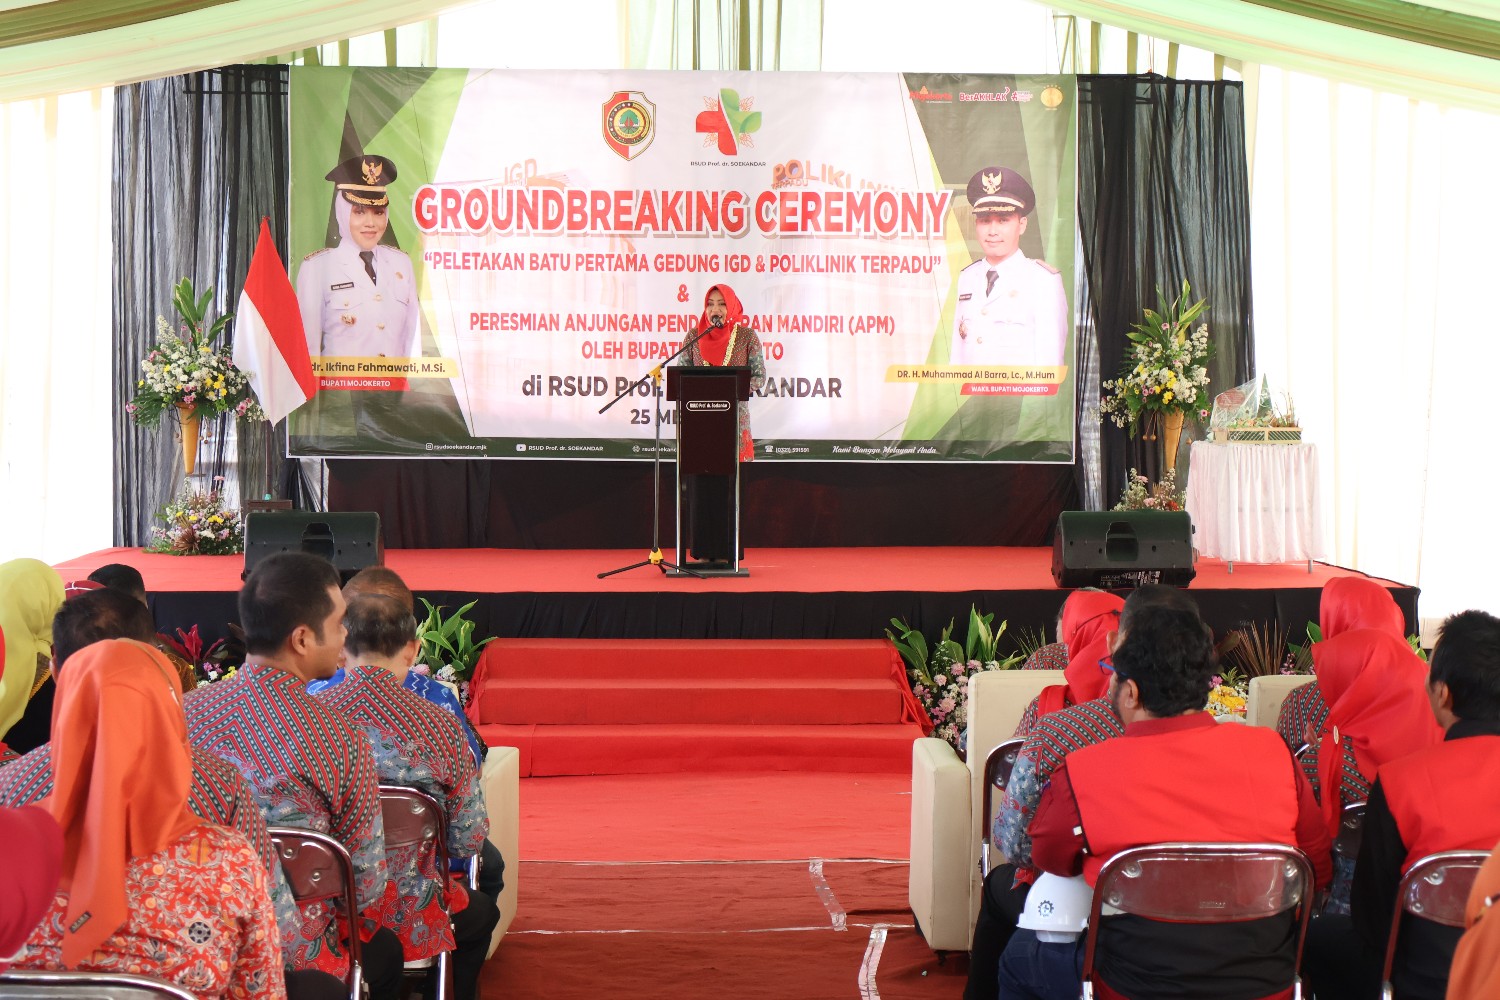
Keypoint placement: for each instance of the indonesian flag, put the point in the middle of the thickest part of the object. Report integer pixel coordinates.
(269, 345)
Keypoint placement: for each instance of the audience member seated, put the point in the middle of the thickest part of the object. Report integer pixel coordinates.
(1174, 775)
(1053, 737)
(1087, 619)
(420, 746)
(26, 889)
(1476, 964)
(126, 579)
(1348, 602)
(1376, 691)
(311, 767)
(1441, 798)
(381, 581)
(30, 594)
(147, 887)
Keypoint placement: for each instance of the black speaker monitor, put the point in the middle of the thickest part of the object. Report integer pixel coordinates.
(1116, 549)
(350, 540)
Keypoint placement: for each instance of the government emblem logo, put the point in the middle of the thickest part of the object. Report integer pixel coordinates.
(629, 123)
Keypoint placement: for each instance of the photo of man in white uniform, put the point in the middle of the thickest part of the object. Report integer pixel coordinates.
(1012, 310)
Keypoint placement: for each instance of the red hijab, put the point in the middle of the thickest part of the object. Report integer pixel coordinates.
(1376, 689)
(120, 770)
(714, 344)
(28, 880)
(1350, 602)
(1089, 616)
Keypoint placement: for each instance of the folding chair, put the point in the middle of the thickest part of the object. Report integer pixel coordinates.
(415, 819)
(997, 768)
(27, 984)
(1202, 884)
(318, 868)
(1435, 888)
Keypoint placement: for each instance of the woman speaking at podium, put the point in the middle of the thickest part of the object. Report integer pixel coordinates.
(724, 338)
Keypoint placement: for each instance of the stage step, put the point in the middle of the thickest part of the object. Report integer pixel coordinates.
(598, 706)
(657, 749)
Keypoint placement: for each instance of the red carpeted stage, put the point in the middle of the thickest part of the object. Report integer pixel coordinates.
(843, 593)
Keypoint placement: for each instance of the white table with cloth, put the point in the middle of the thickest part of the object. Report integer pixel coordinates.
(1256, 503)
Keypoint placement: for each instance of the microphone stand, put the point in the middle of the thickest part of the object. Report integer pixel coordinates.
(655, 558)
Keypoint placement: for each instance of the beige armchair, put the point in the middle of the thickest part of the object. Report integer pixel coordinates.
(945, 883)
(1266, 695)
(501, 781)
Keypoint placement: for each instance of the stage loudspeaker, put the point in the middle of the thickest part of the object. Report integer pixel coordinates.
(1116, 549)
(351, 540)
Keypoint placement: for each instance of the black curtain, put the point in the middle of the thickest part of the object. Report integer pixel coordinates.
(198, 160)
(1163, 197)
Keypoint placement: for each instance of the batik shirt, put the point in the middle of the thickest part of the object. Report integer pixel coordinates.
(1053, 656)
(428, 689)
(310, 769)
(417, 745)
(1302, 710)
(216, 793)
(1054, 736)
(197, 915)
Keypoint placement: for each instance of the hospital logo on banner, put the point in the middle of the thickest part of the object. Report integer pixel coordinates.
(629, 123)
(728, 122)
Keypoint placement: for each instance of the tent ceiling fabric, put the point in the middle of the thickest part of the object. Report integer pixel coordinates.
(40, 22)
(143, 40)
(1260, 32)
(1443, 29)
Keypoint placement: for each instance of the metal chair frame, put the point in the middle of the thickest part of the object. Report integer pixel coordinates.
(1434, 869)
(308, 885)
(1293, 862)
(37, 984)
(997, 767)
(400, 807)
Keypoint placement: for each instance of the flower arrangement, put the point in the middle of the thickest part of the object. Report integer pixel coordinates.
(189, 370)
(1229, 694)
(208, 665)
(198, 524)
(939, 674)
(1165, 369)
(448, 651)
(1141, 495)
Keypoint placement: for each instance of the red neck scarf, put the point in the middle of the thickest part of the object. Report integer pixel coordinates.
(1088, 618)
(713, 345)
(1376, 689)
(121, 770)
(1350, 602)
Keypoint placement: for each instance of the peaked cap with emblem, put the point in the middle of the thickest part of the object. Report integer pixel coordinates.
(362, 179)
(999, 189)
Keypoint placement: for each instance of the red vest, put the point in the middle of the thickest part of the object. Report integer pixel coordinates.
(1444, 798)
(1223, 782)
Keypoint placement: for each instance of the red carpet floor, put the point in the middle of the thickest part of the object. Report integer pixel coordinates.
(604, 924)
(936, 570)
(773, 816)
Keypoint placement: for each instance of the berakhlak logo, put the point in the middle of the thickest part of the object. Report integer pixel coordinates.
(629, 123)
(728, 122)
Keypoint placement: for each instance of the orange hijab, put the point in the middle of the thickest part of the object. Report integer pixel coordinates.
(1088, 618)
(1354, 602)
(120, 769)
(1376, 689)
(714, 343)
(1476, 963)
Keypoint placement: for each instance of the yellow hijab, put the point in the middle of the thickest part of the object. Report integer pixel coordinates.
(30, 594)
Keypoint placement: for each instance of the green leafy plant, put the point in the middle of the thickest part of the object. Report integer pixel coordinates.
(938, 671)
(448, 648)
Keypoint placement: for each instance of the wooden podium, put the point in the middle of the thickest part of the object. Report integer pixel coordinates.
(708, 464)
